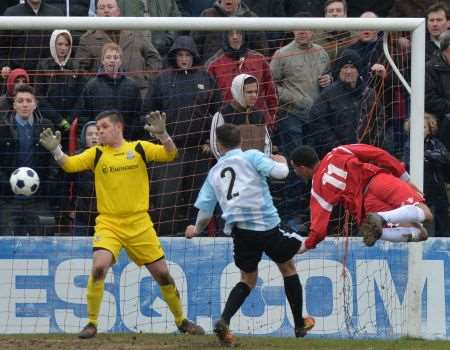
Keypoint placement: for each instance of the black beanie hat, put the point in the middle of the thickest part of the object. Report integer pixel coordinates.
(348, 56)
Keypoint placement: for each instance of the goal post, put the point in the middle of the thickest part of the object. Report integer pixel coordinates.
(416, 26)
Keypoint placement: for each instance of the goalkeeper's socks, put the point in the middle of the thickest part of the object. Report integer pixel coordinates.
(404, 215)
(172, 298)
(94, 298)
(294, 294)
(236, 298)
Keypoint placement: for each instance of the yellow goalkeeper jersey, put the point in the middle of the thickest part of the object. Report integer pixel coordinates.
(121, 179)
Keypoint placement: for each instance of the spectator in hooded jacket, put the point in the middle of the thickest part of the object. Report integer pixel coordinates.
(348, 110)
(84, 201)
(189, 96)
(25, 48)
(209, 42)
(19, 146)
(112, 89)
(43, 109)
(241, 111)
(140, 59)
(57, 80)
(235, 58)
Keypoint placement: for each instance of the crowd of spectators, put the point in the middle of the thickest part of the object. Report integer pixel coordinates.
(323, 88)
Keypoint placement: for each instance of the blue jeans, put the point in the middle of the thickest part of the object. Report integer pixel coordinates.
(291, 130)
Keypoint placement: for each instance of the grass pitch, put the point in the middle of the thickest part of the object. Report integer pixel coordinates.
(180, 342)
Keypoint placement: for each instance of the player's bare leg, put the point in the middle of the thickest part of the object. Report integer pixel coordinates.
(160, 273)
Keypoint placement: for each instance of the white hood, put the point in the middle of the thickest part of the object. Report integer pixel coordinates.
(53, 38)
(237, 88)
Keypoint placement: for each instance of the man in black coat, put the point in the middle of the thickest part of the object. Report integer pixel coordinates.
(347, 111)
(189, 96)
(7, 3)
(19, 146)
(24, 49)
(437, 87)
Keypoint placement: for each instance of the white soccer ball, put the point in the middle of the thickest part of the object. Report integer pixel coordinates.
(24, 181)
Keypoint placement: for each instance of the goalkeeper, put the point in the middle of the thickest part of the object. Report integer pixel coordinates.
(122, 189)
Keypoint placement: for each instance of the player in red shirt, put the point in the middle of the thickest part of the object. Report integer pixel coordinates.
(371, 184)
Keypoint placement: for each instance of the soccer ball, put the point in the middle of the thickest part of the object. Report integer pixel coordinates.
(24, 181)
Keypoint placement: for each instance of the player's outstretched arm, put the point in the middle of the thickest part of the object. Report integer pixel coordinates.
(52, 143)
(155, 124)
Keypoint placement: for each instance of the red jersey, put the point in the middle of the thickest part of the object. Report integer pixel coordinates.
(342, 177)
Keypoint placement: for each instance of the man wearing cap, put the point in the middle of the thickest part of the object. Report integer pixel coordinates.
(347, 111)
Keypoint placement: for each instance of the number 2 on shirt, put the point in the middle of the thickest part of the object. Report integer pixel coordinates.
(223, 173)
(330, 177)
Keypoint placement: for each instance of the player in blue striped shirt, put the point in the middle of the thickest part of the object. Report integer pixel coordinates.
(238, 182)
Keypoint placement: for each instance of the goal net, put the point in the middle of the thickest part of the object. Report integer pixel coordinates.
(299, 63)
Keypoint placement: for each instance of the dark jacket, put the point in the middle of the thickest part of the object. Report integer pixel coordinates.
(436, 164)
(267, 8)
(42, 161)
(437, 87)
(431, 49)
(370, 52)
(4, 4)
(232, 115)
(209, 43)
(358, 7)
(26, 48)
(76, 7)
(188, 97)
(193, 8)
(342, 115)
(315, 7)
(103, 92)
(60, 88)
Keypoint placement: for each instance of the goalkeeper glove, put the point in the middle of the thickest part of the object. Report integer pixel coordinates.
(52, 143)
(155, 124)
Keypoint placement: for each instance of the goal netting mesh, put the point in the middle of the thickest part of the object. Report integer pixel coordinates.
(350, 290)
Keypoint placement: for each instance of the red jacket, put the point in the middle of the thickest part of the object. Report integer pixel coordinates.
(224, 68)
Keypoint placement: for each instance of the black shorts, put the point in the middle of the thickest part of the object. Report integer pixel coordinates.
(279, 245)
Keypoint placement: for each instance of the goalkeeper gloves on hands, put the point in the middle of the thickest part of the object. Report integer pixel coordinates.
(52, 143)
(155, 124)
